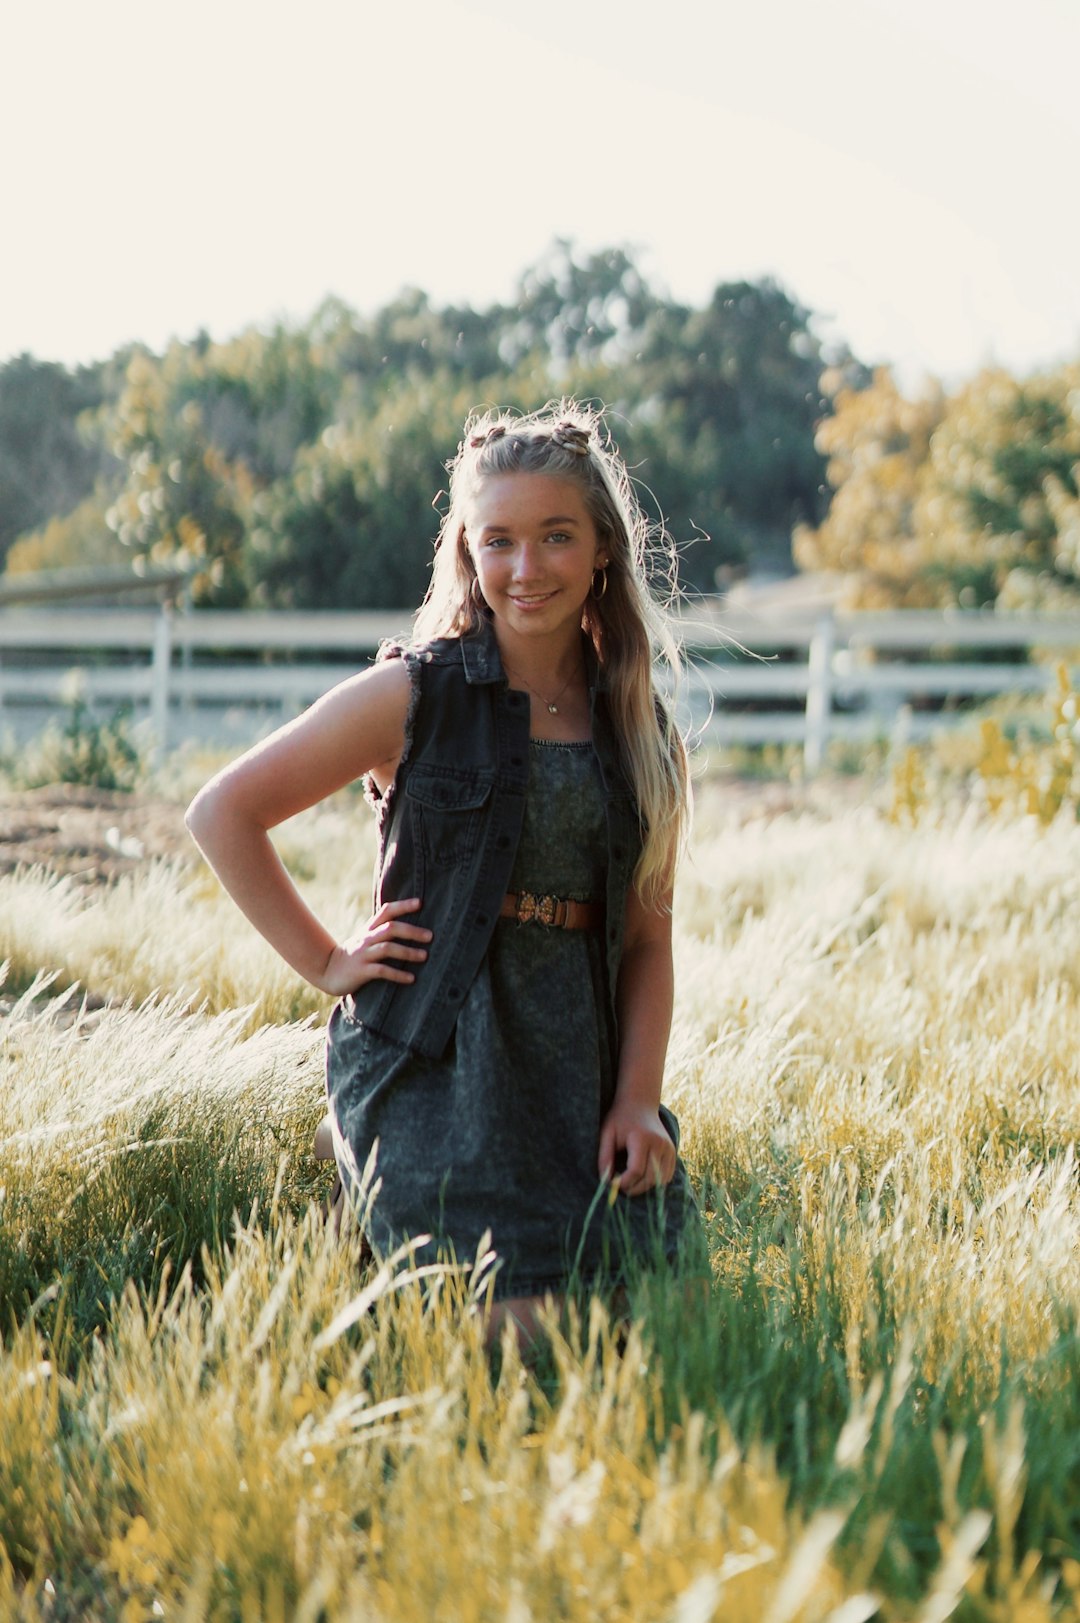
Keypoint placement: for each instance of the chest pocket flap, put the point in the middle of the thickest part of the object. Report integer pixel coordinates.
(448, 812)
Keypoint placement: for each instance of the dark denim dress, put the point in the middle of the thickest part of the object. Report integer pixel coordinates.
(501, 1132)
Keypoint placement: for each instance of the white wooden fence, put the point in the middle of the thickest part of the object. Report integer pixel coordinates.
(753, 680)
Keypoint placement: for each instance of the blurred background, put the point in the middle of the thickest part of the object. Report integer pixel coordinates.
(818, 263)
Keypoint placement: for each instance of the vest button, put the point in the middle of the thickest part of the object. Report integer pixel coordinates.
(515, 760)
(480, 920)
(453, 991)
(503, 841)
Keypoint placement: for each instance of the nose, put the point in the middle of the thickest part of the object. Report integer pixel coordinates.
(525, 563)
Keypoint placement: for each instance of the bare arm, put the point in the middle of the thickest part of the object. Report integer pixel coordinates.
(644, 998)
(357, 727)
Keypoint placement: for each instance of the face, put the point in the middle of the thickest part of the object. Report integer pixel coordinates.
(534, 548)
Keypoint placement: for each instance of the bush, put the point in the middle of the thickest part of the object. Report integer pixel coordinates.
(83, 750)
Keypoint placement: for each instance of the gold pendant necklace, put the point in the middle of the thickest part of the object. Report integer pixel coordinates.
(551, 705)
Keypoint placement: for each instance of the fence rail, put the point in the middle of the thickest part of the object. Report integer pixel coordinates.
(753, 680)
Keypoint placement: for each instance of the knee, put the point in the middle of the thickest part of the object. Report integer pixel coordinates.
(324, 1141)
(524, 1313)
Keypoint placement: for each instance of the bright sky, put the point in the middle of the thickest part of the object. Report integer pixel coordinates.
(906, 168)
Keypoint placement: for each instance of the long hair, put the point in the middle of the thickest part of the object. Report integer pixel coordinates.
(629, 629)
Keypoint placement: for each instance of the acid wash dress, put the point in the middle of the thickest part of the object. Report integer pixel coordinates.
(502, 1132)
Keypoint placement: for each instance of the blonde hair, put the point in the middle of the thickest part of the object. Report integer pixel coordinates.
(628, 628)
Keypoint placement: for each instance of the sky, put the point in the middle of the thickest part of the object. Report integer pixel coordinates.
(906, 169)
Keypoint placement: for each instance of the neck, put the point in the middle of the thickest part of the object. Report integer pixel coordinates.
(541, 661)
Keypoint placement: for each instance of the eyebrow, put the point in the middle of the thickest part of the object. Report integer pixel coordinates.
(559, 518)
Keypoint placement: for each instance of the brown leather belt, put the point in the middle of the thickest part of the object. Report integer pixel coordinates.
(554, 911)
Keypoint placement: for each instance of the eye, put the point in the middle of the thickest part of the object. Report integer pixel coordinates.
(559, 535)
(496, 541)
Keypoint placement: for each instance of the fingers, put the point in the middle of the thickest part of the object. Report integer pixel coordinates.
(387, 923)
(387, 972)
(647, 1165)
(380, 959)
(387, 943)
(395, 910)
(388, 947)
(630, 1181)
(397, 932)
(386, 932)
(651, 1156)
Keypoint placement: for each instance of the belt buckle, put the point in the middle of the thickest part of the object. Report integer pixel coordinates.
(541, 909)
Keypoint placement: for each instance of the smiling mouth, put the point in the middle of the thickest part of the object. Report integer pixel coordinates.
(526, 600)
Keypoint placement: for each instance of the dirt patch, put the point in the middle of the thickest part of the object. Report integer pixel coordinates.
(92, 835)
(95, 835)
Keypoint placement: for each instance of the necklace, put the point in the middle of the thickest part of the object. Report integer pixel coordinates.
(551, 705)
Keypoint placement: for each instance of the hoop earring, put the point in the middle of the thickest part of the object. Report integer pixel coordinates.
(476, 596)
(593, 593)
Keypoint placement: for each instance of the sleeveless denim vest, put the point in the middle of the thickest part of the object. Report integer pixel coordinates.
(450, 823)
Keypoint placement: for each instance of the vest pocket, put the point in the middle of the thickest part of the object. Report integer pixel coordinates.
(447, 812)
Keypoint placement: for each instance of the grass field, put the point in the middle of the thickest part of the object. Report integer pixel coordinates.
(207, 1410)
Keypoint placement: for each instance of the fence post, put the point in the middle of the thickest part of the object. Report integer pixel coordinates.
(159, 681)
(900, 737)
(819, 693)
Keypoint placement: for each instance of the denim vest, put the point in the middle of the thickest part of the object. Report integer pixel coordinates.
(450, 823)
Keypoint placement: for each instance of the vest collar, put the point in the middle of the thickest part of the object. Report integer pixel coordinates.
(480, 658)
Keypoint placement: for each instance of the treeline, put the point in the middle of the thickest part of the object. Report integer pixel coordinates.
(296, 467)
(968, 500)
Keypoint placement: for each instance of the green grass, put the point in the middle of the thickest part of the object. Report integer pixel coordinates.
(872, 1411)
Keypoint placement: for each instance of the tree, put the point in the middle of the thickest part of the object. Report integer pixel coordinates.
(80, 539)
(354, 525)
(49, 458)
(1001, 496)
(970, 499)
(409, 337)
(177, 504)
(738, 391)
(297, 464)
(573, 310)
(877, 443)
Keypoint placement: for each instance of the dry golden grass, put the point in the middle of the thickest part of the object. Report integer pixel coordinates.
(875, 1414)
(173, 930)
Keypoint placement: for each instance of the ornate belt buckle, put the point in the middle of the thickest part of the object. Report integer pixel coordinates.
(539, 909)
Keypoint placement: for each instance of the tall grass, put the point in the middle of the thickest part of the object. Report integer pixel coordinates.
(873, 1412)
(172, 930)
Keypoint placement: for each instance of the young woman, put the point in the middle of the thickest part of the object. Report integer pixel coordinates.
(502, 1018)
